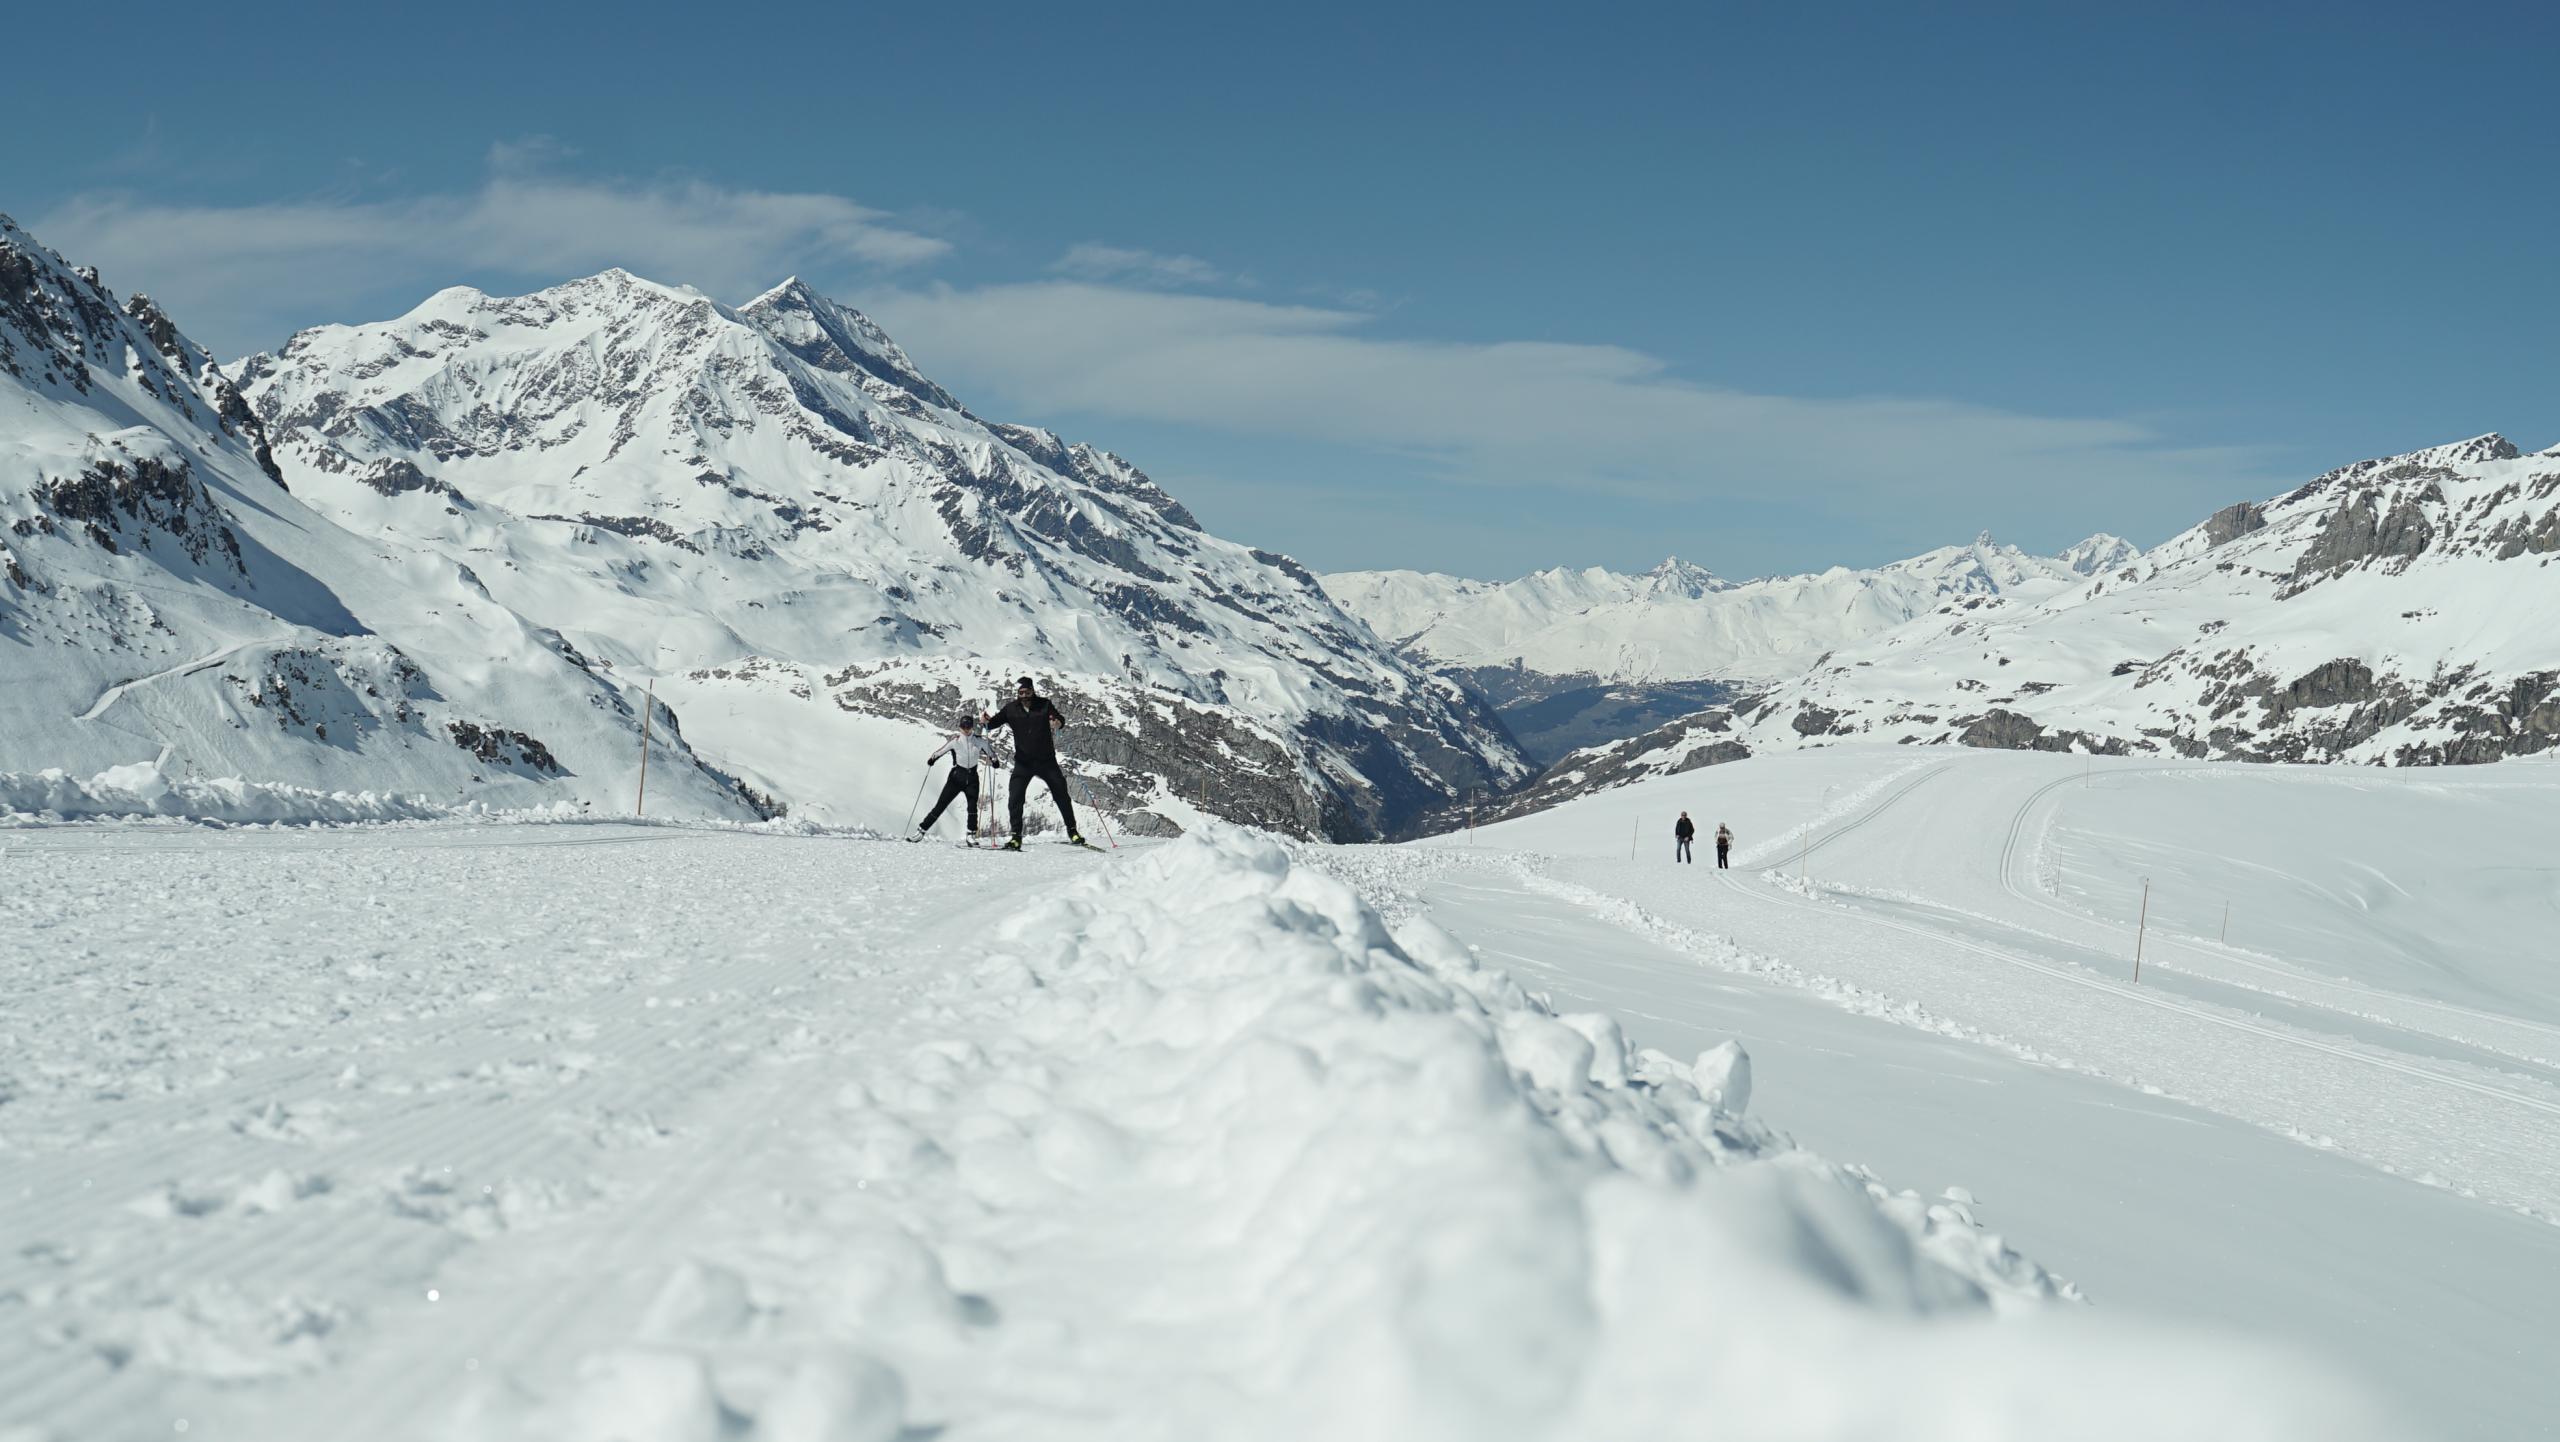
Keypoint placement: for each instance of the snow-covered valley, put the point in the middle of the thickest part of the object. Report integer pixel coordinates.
(468, 1129)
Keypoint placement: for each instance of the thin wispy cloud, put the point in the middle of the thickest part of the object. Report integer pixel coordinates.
(1113, 263)
(226, 268)
(1520, 413)
(1123, 333)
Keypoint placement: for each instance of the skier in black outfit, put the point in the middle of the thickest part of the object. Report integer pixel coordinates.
(1035, 756)
(968, 752)
(1682, 832)
(1724, 845)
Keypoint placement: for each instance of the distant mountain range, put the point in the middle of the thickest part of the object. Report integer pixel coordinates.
(457, 553)
(1578, 657)
(2401, 611)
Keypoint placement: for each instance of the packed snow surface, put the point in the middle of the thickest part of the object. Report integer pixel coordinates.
(617, 1132)
(2325, 1109)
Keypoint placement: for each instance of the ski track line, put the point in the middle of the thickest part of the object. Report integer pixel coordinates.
(614, 1016)
(599, 1259)
(2009, 880)
(2074, 975)
(516, 1133)
(489, 1138)
(76, 983)
(2100, 984)
(116, 692)
(619, 1025)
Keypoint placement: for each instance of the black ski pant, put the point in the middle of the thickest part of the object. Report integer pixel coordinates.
(1046, 771)
(1684, 849)
(1721, 853)
(963, 784)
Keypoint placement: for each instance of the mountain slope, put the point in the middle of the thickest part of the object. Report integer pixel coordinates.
(164, 598)
(2400, 611)
(820, 552)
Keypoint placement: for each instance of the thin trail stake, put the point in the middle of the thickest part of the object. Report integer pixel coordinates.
(1634, 835)
(2140, 926)
(2226, 923)
(648, 709)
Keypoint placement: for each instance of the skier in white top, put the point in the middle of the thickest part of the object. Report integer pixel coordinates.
(968, 751)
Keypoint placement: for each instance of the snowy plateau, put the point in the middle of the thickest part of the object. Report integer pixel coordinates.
(2120, 1018)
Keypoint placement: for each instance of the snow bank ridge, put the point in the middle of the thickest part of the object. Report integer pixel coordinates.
(1393, 1196)
(141, 790)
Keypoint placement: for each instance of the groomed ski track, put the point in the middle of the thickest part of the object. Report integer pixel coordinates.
(1923, 909)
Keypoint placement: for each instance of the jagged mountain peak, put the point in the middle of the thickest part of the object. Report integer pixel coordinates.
(832, 335)
(166, 603)
(2099, 551)
(1685, 577)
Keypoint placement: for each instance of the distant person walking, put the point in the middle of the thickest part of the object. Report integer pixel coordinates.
(1681, 835)
(1724, 846)
(968, 751)
(1034, 723)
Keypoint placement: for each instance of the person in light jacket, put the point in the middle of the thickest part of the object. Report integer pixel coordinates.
(968, 751)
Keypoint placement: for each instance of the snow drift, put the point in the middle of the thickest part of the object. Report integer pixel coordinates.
(141, 790)
(1273, 1170)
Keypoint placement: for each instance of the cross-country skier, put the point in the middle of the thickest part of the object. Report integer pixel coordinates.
(1035, 756)
(1681, 834)
(1724, 845)
(968, 751)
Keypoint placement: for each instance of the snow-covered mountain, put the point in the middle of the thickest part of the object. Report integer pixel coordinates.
(165, 599)
(2401, 611)
(818, 552)
(1679, 622)
(1580, 658)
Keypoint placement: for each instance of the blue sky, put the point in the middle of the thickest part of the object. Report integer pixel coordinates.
(1769, 286)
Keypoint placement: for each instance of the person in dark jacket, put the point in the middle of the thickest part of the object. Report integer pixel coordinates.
(1724, 845)
(1681, 835)
(1034, 723)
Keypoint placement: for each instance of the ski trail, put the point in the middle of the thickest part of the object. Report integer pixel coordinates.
(116, 692)
(2518, 1037)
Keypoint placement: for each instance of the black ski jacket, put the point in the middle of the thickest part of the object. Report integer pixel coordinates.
(1033, 747)
(1684, 830)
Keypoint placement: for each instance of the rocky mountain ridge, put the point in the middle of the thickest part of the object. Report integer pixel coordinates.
(165, 599)
(2398, 611)
(818, 553)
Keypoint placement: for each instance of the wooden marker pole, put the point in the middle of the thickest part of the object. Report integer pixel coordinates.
(2140, 926)
(2226, 923)
(647, 708)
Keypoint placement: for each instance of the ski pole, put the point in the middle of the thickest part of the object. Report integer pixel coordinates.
(919, 801)
(1092, 805)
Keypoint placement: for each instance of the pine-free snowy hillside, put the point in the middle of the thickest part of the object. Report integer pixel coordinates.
(165, 599)
(2402, 611)
(1577, 658)
(819, 553)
